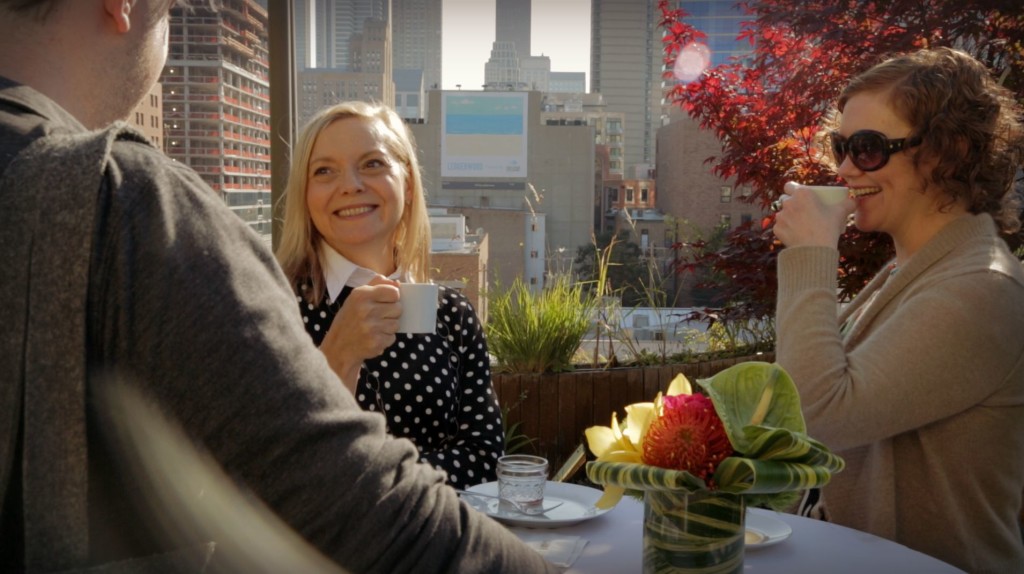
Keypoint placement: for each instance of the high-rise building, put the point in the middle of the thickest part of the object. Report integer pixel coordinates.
(625, 68)
(512, 24)
(511, 67)
(216, 104)
(416, 39)
(720, 20)
(357, 64)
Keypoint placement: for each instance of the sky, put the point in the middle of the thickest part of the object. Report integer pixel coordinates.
(560, 30)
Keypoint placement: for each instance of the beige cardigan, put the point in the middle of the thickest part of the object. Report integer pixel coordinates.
(923, 395)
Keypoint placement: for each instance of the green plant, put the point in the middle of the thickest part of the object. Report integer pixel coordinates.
(537, 332)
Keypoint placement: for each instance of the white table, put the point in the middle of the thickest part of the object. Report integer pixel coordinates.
(615, 542)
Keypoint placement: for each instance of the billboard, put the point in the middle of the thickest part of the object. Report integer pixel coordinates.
(483, 134)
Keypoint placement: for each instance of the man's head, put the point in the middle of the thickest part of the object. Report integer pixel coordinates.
(96, 58)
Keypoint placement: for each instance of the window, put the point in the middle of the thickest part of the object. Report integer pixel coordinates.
(726, 194)
(613, 195)
(745, 218)
(629, 194)
(725, 220)
(643, 195)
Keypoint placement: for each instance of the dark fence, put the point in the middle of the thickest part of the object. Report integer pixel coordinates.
(555, 409)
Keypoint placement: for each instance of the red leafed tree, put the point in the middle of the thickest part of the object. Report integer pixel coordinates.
(767, 108)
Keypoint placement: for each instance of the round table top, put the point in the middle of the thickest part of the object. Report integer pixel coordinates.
(615, 539)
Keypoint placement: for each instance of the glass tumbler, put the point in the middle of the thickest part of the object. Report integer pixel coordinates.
(521, 479)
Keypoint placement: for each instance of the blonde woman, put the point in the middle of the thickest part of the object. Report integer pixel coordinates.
(355, 226)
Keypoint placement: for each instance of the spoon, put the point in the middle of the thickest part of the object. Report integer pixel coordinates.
(518, 506)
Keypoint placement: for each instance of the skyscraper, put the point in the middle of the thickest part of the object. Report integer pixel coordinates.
(720, 20)
(353, 43)
(416, 39)
(512, 24)
(625, 68)
(216, 103)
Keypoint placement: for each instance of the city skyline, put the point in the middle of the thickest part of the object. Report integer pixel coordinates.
(560, 29)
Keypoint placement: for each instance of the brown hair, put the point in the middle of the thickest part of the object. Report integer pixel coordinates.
(966, 121)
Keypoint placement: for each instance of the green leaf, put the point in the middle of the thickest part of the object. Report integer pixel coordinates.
(754, 393)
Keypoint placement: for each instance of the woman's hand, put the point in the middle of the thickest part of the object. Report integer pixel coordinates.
(364, 326)
(803, 219)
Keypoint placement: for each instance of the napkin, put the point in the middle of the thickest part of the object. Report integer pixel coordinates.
(558, 549)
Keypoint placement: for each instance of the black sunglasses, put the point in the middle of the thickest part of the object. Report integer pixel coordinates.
(868, 150)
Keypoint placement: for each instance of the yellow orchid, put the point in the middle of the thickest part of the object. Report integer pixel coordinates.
(624, 443)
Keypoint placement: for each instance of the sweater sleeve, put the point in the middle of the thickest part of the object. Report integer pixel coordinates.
(469, 457)
(189, 303)
(945, 344)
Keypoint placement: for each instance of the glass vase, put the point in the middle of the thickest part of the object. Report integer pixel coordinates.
(693, 532)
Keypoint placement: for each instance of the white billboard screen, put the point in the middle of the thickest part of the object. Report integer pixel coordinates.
(483, 134)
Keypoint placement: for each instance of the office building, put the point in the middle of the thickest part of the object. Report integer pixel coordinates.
(512, 24)
(352, 41)
(216, 105)
(625, 68)
(720, 21)
(489, 154)
(148, 116)
(416, 39)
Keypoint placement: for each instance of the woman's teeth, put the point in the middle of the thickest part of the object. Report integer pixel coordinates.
(864, 191)
(353, 211)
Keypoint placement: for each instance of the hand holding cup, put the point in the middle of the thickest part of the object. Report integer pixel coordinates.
(804, 221)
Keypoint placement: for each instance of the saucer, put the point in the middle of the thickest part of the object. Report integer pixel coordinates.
(577, 505)
(764, 529)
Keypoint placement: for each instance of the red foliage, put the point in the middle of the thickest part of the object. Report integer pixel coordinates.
(766, 109)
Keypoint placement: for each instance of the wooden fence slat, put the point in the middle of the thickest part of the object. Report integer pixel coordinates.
(558, 408)
(548, 422)
(530, 409)
(569, 433)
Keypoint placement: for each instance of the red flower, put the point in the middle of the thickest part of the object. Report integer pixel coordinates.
(687, 435)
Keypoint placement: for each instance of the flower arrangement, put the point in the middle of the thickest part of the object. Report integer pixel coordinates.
(700, 459)
(745, 435)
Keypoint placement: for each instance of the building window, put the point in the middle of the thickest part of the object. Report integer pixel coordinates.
(725, 220)
(629, 195)
(746, 218)
(643, 195)
(726, 194)
(613, 194)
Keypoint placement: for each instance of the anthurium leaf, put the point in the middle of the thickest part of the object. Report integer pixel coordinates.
(642, 476)
(754, 393)
(785, 445)
(749, 476)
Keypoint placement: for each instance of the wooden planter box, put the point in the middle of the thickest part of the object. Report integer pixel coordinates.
(555, 409)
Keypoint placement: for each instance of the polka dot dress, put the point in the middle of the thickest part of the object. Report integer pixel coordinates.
(432, 389)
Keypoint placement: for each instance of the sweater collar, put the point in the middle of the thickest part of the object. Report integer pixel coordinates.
(31, 100)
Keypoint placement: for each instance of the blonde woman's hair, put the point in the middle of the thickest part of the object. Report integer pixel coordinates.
(299, 249)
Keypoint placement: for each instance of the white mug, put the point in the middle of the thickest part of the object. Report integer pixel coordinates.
(828, 194)
(419, 308)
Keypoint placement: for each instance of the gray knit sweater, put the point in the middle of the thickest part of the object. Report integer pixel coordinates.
(187, 303)
(923, 395)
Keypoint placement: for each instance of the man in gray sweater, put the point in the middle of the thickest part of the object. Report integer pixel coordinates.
(181, 300)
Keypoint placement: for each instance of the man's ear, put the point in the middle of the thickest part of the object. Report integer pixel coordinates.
(119, 10)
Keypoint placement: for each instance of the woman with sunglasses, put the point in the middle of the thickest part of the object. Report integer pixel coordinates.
(919, 382)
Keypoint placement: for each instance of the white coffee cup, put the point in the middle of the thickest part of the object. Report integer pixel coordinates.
(419, 308)
(828, 194)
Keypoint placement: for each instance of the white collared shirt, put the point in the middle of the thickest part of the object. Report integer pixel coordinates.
(340, 272)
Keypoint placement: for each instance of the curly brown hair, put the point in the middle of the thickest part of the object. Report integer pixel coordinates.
(969, 123)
